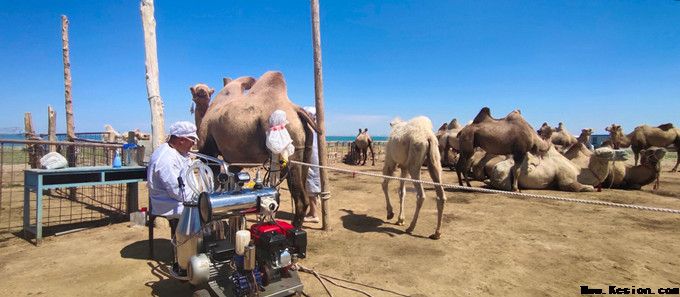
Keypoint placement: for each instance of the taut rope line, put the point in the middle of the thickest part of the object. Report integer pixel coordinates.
(491, 191)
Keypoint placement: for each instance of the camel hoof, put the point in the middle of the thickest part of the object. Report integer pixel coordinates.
(390, 215)
(400, 222)
(435, 236)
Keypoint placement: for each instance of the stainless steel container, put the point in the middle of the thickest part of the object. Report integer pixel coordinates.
(219, 206)
(188, 237)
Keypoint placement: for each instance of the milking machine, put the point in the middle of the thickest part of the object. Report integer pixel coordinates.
(213, 248)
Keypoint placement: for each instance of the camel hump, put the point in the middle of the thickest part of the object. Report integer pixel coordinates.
(666, 126)
(483, 115)
(226, 81)
(272, 83)
(453, 124)
(238, 85)
(423, 122)
(443, 127)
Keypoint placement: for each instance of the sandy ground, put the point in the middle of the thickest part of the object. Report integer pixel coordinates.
(492, 245)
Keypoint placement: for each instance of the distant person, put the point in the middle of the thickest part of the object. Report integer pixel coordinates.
(168, 162)
(313, 183)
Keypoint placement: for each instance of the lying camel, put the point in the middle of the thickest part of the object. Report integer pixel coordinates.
(448, 142)
(645, 136)
(556, 171)
(363, 143)
(626, 176)
(410, 145)
(511, 135)
(482, 164)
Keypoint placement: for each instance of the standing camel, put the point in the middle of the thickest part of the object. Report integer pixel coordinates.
(236, 122)
(645, 136)
(363, 143)
(511, 135)
(410, 145)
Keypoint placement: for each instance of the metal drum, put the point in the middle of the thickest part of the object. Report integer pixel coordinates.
(219, 206)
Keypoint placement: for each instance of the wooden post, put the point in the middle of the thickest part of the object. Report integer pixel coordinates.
(318, 94)
(29, 133)
(152, 84)
(52, 127)
(70, 129)
(34, 153)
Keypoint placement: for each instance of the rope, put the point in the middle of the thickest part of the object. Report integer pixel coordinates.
(491, 191)
(321, 277)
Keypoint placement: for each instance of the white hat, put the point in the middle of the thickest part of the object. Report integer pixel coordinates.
(310, 110)
(183, 129)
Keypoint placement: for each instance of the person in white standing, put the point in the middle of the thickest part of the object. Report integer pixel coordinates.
(168, 162)
(313, 183)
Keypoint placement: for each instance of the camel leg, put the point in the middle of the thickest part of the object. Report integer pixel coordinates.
(297, 193)
(370, 147)
(388, 170)
(514, 173)
(402, 195)
(677, 156)
(462, 167)
(364, 156)
(435, 174)
(420, 196)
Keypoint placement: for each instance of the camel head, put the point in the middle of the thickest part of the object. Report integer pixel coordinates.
(585, 135)
(609, 154)
(545, 131)
(616, 135)
(652, 156)
(394, 122)
(200, 94)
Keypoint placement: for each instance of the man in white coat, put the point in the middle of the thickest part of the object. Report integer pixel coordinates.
(168, 162)
(313, 183)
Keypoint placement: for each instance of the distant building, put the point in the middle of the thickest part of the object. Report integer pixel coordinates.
(598, 139)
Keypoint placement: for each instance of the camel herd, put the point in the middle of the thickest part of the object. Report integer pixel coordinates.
(505, 153)
(508, 154)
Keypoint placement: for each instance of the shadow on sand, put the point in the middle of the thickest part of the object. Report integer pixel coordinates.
(362, 223)
(164, 284)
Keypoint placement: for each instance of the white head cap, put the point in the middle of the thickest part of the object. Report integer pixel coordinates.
(183, 129)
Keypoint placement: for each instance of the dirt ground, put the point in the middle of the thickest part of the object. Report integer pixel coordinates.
(492, 245)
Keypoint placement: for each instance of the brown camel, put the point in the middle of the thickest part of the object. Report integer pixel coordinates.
(511, 135)
(235, 126)
(626, 176)
(410, 145)
(363, 143)
(580, 152)
(559, 136)
(200, 95)
(448, 143)
(645, 136)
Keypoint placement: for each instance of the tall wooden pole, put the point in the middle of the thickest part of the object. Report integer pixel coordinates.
(52, 127)
(29, 133)
(70, 129)
(318, 94)
(152, 85)
(33, 153)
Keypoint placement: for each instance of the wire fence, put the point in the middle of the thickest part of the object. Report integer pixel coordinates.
(62, 208)
(339, 151)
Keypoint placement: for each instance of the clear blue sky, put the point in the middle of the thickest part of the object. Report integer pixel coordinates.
(586, 63)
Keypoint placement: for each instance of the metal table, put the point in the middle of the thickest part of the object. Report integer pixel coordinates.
(37, 180)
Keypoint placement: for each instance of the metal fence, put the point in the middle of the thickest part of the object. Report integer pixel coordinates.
(62, 208)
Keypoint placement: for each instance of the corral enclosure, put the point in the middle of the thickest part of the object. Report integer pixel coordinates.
(491, 245)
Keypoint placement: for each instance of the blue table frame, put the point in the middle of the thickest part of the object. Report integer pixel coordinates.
(37, 180)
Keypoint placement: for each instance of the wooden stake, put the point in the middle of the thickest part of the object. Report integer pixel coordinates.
(33, 150)
(70, 129)
(318, 94)
(52, 127)
(29, 133)
(152, 84)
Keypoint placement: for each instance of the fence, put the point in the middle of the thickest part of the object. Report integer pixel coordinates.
(61, 207)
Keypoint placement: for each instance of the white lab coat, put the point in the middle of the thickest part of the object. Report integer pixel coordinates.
(165, 166)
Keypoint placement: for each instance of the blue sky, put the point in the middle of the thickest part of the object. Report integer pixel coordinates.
(586, 63)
